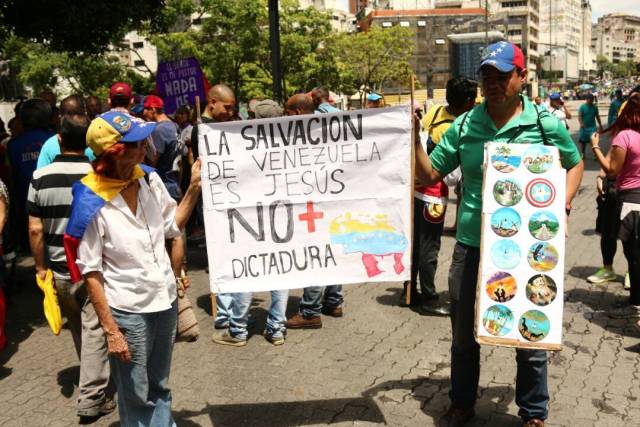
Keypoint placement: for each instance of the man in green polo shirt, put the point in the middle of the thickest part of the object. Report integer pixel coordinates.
(505, 116)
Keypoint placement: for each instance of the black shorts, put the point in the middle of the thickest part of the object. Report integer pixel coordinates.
(608, 219)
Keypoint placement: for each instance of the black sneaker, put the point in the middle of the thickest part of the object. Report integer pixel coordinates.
(434, 310)
(456, 417)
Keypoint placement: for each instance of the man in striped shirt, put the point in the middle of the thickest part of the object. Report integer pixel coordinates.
(49, 206)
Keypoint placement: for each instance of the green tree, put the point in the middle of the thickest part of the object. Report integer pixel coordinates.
(373, 59)
(624, 69)
(231, 42)
(77, 26)
(603, 65)
(40, 68)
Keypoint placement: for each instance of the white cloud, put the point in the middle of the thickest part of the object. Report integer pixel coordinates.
(602, 7)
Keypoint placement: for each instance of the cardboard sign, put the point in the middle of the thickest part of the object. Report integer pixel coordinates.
(521, 280)
(179, 82)
(308, 200)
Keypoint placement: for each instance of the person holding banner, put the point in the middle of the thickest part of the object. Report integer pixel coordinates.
(505, 116)
(430, 202)
(221, 107)
(315, 299)
(120, 218)
(275, 332)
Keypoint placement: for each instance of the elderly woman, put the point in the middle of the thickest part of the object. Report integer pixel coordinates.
(623, 162)
(121, 217)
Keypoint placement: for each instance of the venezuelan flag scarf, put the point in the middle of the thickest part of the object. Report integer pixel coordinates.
(89, 195)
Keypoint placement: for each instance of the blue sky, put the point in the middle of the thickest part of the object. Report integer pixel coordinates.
(602, 7)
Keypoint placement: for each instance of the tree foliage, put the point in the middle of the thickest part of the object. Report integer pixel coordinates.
(41, 68)
(371, 60)
(64, 41)
(231, 42)
(78, 26)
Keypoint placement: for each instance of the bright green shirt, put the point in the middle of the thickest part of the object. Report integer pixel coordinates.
(468, 151)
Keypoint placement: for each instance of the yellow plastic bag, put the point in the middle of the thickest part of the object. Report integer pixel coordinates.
(50, 303)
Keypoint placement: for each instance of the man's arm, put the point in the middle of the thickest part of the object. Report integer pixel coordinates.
(188, 202)
(574, 178)
(425, 172)
(580, 118)
(36, 241)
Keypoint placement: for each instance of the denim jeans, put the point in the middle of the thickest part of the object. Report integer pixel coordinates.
(275, 319)
(312, 299)
(532, 395)
(144, 398)
(224, 303)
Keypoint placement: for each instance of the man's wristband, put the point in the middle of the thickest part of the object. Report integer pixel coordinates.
(595, 147)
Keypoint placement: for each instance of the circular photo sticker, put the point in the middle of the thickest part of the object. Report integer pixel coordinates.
(505, 222)
(498, 320)
(501, 286)
(543, 225)
(534, 325)
(507, 192)
(542, 256)
(538, 159)
(505, 254)
(503, 159)
(540, 193)
(541, 290)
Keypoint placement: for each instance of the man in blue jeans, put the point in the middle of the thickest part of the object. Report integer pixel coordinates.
(505, 116)
(314, 301)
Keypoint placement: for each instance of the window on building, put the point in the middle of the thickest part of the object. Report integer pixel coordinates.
(422, 23)
(509, 4)
(138, 45)
(404, 23)
(440, 41)
(514, 32)
(138, 63)
(387, 24)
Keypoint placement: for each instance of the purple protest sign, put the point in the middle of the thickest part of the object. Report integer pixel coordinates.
(179, 82)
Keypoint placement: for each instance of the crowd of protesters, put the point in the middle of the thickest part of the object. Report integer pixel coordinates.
(112, 185)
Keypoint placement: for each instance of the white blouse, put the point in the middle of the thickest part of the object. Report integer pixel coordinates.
(130, 250)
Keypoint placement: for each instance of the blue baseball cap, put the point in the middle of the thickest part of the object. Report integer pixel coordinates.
(555, 96)
(503, 56)
(113, 127)
(374, 97)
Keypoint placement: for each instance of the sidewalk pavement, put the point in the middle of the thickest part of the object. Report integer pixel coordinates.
(380, 364)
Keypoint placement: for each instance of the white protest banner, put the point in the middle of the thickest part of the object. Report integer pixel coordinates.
(307, 200)
(521, 280)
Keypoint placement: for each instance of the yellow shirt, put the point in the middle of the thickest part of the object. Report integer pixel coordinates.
(437, 126)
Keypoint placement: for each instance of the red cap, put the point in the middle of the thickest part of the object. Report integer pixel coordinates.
(120, 89)
(152, 101)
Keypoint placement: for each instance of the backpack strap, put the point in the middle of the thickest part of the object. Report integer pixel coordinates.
(545, 141)
(462, 122)
(435, 116)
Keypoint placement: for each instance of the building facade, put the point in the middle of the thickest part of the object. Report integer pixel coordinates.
(431, 61)
(616, 36)
(137, 53)
(342, 18)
